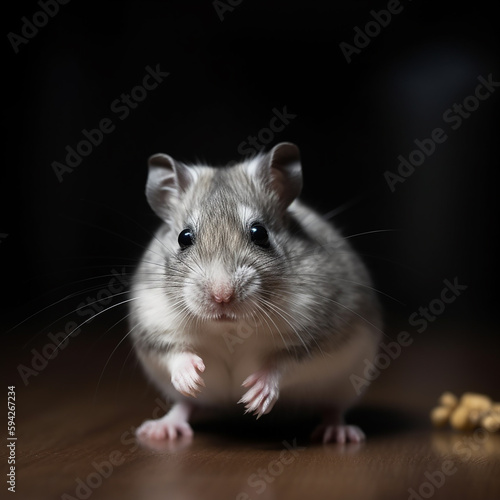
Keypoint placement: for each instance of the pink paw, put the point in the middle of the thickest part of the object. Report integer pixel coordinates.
(336, 433)
(163, 428)
(186, 369)
(263, 392)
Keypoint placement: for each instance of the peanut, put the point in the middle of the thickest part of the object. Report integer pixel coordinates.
(440, 416)
(472, 410)
(475, 401)
(490, 423)
(475, 417)
(459, 419)
(495, 408)
(448, 399)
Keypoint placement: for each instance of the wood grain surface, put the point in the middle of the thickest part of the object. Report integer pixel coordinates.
(75, 421)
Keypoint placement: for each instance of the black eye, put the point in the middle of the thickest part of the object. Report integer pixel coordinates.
(185, 239)
(258, 234)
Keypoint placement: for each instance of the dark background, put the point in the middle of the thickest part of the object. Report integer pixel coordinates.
(61, 240)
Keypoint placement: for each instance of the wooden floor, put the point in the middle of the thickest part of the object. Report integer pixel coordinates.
(75, 421)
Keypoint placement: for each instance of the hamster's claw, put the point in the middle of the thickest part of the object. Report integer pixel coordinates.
(185, 374)
(338, 434)
(263, 392)
(164, 429)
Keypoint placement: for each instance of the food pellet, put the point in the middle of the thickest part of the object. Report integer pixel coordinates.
(440, 416)
(459, 419)
(490, 423)
(475, 401)
(471, 411)
(475, 417)
(448, 399)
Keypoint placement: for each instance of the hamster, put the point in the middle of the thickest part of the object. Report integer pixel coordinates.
(246, 296)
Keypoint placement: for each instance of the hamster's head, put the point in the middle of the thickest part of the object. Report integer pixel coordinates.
(224, 253)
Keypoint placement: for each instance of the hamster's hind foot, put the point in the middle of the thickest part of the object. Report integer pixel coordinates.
(171, 426)
(338, 434)
(334, 430)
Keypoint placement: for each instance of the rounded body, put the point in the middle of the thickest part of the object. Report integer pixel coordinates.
(247, 295)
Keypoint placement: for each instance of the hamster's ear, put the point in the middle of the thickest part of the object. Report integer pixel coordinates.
(167, 179)
(285, 171)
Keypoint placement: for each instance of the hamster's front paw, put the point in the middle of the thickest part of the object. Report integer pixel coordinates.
(186, 369)
(263, 392)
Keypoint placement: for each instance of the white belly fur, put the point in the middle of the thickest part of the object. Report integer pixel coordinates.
(321, 380)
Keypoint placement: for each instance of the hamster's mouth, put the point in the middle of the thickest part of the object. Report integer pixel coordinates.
(224, 317)
(222, 312)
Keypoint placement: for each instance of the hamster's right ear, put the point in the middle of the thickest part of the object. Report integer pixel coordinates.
(167, 179)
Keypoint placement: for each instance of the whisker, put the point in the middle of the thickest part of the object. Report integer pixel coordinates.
(72, 311)
(67, 297)
(97, 314)
(110, 356)
(343, 208)
(376, 231)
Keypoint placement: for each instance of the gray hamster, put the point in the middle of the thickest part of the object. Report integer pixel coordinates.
(245, 296)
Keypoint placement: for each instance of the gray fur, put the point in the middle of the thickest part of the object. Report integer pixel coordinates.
(308, 262)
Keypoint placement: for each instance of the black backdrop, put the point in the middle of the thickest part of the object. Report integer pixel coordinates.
(232, 66)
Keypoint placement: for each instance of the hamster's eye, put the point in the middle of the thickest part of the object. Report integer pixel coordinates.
(185, 238)
(259, 235)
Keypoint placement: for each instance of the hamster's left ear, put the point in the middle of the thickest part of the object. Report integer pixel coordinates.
(167, 179)
(284, 172)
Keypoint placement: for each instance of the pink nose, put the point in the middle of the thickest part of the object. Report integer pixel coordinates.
(222, 294)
